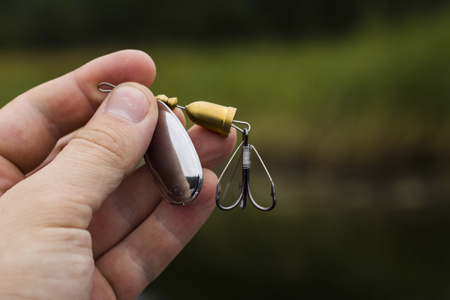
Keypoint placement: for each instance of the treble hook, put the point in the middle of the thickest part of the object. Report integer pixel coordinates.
(245, 192)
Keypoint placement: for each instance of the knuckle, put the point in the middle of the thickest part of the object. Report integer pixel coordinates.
(106, 144)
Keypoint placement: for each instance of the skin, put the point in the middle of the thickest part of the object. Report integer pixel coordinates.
(77, 219)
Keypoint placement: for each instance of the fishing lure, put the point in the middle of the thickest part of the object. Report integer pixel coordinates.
(173, 162)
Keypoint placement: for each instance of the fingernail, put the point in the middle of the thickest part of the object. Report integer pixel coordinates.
(128, 102)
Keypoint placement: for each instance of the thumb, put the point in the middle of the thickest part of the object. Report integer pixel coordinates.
(68, 190)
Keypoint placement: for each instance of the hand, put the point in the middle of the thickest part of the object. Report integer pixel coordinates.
(80, 220)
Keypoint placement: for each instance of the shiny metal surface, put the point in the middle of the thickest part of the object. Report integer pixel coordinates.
(173, 160)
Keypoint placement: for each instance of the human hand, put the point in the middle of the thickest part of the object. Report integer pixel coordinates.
(80, 220)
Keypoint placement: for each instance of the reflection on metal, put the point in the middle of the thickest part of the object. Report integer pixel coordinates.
(172, 160)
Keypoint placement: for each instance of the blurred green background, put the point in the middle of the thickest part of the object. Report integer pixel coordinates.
(349, 105)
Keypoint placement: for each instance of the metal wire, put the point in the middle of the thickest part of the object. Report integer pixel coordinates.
(249, 127)
(101, 84)
(245, 192)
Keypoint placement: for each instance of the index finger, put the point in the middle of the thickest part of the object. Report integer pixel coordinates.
(33, 122)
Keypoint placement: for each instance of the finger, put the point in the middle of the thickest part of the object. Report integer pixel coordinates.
(179, 113)
(138, 196)
(126, 208)
(93, 164)
(9, 175)
(33, 122)
(62, 142)
(206, 141)
(144, 254)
